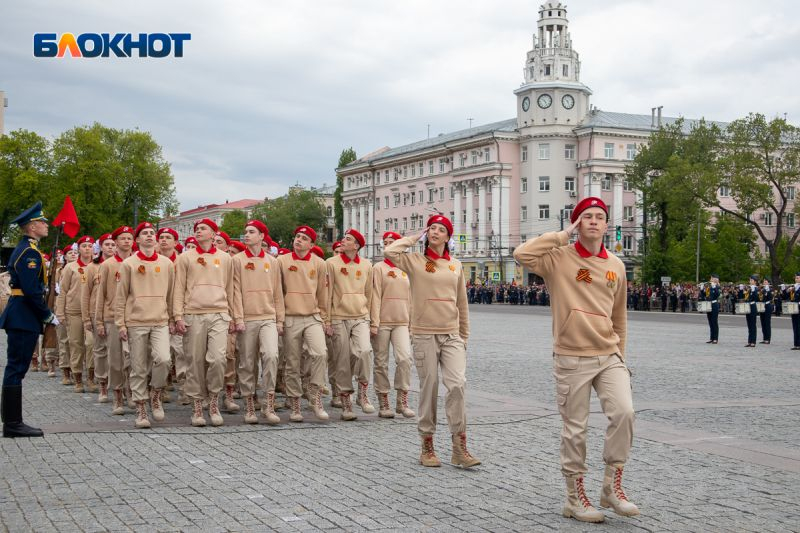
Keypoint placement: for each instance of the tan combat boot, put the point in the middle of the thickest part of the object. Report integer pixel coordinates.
(325, 390)
(294, 405)
(198, 420)
(578, 505)
(402, 407)
(90, 384)
(102, 397)
(213, 410)
(52, 372)
(384, 409)
(250, 411)
(166, 397)
(34, 363)
(461, 456)
(612, 494)
(347, 407)
(119, 405)
(428, 457)
(156, 405)
(268, 409)
(316, 403)
(129, 396)
(142, 422)
(65, 376)
(336, 401)
(363, 400)
(78, 382)
(230, 405)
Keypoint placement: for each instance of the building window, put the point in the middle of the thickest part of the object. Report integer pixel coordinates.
(724, 191)
(463, 191)
(386, 202)
(606, 183)
(463, 160)
(413, 171)
(630, 152)
(421, 196)
(523, 185)
(627, 242)
(430, 167)
(544, 151)
(566, 214)
(474, 157)
(452, 192)
(413, 223)
(488, 214)
(430, 195)
(523, 213)
(386, 176)
(627, 212)
(486, 155)
(405, 171)
(790, 192)
(609, 150)
(626, 185)
(396, 199)
(569, 151)
(405, 223)
(441, 166)
(395, 224)
(396, 173)
(475, 216)
(790, 220)
(544, 211)
(441, 194)
(463, 216)
(544, 183)
(377, 204)
(569, 184)
(413, 197)
(565, 70)
(330, 211)
(524, 156)
(768, 219)
(421, 167)
(547, 70)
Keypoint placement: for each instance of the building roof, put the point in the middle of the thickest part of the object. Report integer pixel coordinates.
(611, 119)
(508, 125)
(238, 204)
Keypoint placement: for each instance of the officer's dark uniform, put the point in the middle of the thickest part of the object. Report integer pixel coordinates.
(711, 294)
(792, 294)
(23, 320)
(750, 296)
(767, 296)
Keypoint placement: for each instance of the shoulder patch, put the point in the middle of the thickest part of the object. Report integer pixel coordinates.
(33, 264)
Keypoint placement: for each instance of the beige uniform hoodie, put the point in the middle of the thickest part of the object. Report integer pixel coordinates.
(203, 283)
(350, 287)
(144, 291)
(258, 293)
(391, 295)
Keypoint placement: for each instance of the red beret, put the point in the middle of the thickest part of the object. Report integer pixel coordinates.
(239, 245)
(225, 237)
(586, 203)
(46, 257)
(260, 226)
(316, 250)
(104, 237)
(168, 230)
(443, 220)
(284, 251)
(179, 248)
(208, 222)
(392, 235)
(357, 236)
(270, 242)
(336, 245)
(140, 227)
(135, 247)
(68, 248)
(120, 230)
(191, 240)
(305, 230)
(85, 238)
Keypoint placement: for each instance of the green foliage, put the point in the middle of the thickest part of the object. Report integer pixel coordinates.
(108, 173)
(233, 223)
(347, 156)
(282, 215)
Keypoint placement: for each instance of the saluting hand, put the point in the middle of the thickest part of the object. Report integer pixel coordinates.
(573, 227)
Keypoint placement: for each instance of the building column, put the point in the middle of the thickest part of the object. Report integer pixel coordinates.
(457, 228)
(345, 219)
(595, 184)
(483, 240)
(468, 185)
(370, 236)
(496, 211)
(618, 183)
(639, 217)
(362, 218)
(503, 191)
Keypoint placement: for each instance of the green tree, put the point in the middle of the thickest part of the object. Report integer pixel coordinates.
(233, 223)
(347, 156)
(297, 208)
(25, 173)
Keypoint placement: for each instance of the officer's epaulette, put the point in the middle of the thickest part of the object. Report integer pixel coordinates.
(32, 243)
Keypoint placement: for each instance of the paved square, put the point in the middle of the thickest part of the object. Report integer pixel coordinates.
(716, 449)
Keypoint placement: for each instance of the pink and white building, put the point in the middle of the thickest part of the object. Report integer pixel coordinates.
(505, 182)
(184, 222)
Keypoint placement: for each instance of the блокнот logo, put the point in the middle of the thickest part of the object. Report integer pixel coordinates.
(109, 44)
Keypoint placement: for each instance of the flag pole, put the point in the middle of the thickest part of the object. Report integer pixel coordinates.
(50, 338)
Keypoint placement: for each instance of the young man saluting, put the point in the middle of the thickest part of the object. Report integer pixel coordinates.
(588, 299)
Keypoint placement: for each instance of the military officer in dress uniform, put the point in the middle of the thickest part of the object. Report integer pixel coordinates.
(749, 294)
(768, 297)
(711, 294)
(23, 317)
(792, 294)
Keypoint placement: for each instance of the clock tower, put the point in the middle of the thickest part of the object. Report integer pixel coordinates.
(552, 94)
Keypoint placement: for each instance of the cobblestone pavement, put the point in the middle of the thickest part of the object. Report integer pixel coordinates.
(716, 449)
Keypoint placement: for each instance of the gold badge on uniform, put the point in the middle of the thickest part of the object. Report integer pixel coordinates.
(292, 268)
(358, 273)
(392, 274)
(158, 269)
(117, 277)
(80, 270)
(403, 274)
(430, 267)
(583, 275)
(452, 268)
(141, 269)
(216, 263)
(343, 270)
(612, 279)
(32, 264)
(312, 274)
(250, 266)
(266, 266)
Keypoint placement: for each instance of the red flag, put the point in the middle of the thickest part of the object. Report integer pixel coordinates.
(69, 218)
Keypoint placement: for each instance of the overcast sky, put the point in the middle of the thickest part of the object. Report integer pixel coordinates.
(269, 92)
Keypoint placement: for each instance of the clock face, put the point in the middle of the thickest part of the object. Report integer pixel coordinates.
(526, 103)
(545, 101)
(568, 101)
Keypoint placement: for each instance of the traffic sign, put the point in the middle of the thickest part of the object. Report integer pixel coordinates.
(495, 276)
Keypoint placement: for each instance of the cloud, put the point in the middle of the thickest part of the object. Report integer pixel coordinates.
(269, 92)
